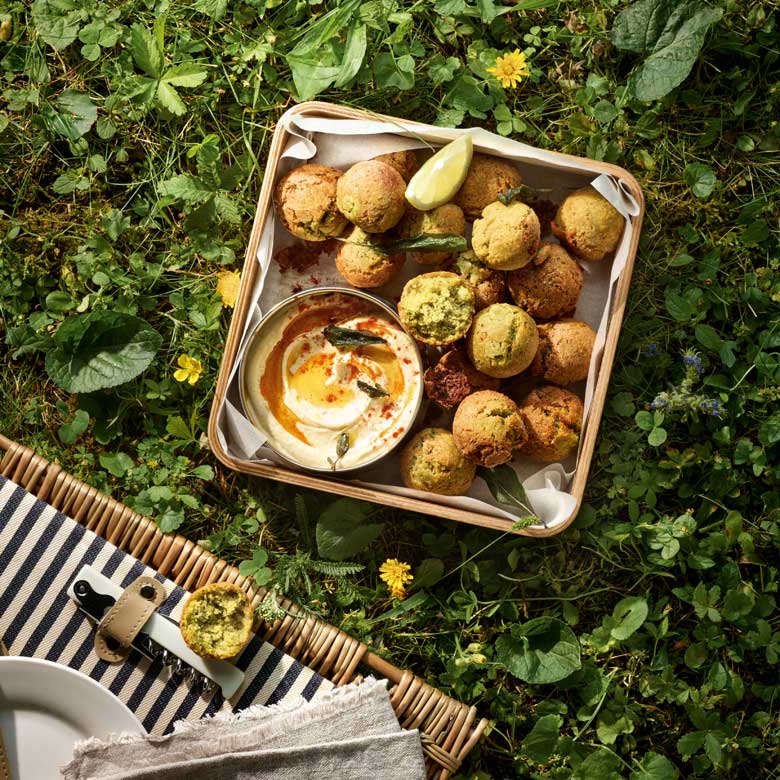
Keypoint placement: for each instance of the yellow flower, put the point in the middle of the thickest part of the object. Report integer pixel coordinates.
(227, 287)
(396, 575)
(510, 69)
(190, 371)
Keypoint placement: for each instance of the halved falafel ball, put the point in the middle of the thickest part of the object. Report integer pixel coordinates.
(564, 352)
(371, 195)
(506, 237)
(305, 200)
(550, 286)
(363, 265)
(553, 420)
(502, 341)
(442, 219)
(437, 308)
(453, 378)
(431, 461)
(489, 285)
(488, 428)
(588, 224)
(486, 179)
(405, 162)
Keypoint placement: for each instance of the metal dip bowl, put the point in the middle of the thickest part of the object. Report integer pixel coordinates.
(309, 435)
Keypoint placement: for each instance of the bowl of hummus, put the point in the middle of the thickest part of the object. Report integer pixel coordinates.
(331, 379)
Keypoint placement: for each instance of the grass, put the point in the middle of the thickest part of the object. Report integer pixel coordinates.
(667, 579)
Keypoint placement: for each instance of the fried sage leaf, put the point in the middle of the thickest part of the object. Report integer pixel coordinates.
(426, 242)
(372, 391)
(342, 445)
(506, 488)
(347, 337)
(507, 196)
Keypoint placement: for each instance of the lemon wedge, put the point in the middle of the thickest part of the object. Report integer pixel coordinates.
(440, 177)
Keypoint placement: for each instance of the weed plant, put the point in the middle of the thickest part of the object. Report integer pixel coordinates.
(642, 643)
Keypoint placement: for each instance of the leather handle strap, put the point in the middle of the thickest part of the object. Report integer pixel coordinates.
(120, 625)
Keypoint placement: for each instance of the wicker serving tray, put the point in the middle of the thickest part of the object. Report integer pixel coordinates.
(250, 274)
(449, 729)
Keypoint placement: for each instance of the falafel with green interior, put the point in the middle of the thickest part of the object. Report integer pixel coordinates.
(371, 195)
(437, 308)
(431, 461)
(502, 341)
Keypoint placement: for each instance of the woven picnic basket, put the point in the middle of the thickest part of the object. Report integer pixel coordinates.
(448, 728)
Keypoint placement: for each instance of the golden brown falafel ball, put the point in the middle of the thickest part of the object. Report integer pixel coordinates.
(489, 285)
(364, 266)
(553, 420)
(588, 224)
(506, 237)
(502, 341)
(550, 286)
(371, 195)
(488, 428)
(442, 219)
(305, 200)
(432, 462)
(453, 378)
(564, 352)
(437, 308)
(406, 162)
(487, 178)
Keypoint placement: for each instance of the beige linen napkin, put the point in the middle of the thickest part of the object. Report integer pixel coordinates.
(351, 733)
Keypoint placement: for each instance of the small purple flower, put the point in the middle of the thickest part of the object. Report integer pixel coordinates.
(658, 403)
(650, 351)
(692, 360)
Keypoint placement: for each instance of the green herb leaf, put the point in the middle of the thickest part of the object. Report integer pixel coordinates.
(672, 33)
(148, 55)
(354, 53)
(701, 179)
(427, 242)
(73, 428)
(347, 337)
(342, 530)
(505, 486)
(99, 350)
(342, 445)
(629, 614)
(540, 744)
(543, 650)
(372, 391)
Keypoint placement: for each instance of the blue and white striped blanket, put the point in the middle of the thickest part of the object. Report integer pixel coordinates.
(41, 551)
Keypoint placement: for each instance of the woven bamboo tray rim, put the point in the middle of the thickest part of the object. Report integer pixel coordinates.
(449, 729)
(282, 474)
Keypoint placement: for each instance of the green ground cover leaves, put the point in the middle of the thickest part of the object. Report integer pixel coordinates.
(643, 643)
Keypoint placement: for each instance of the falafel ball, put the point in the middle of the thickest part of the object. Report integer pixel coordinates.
(488, 428)
(364, 266)
(447, 218)
(588, 224)
(506, 237)
(553, 420)
(453, 378)
(489, 285)
(437, 308)
(550, 286)
(431, 461)
(371, 195)
(486, 179)
(305, 200)
(564, 352)
(405, 162)
(502, 341)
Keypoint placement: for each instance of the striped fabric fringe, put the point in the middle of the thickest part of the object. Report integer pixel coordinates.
(41, 551)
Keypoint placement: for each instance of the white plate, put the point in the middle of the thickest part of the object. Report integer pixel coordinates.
(45, 708)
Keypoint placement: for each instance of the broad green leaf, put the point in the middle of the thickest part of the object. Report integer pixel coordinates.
(679, 307)
(186, 187)
(540, 743)
(69, 182)
(701, 179)
(655, 767)
(708, 337)
(101, 349)
(354, 53)
(57, 23)
(630, 613)
(176, 427)
(169, 99)
(187, 74)
(601, 764)
(73, 428)
(75, 115)
(117, 463)
(148, 55)
(394, 72)
(505, 486)
(326, 27)
(657, 437)
(170, 520)
(312, 76)
(342, 530)
(672, 33)
(428, 573)
(543, 650)
(215, 9)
